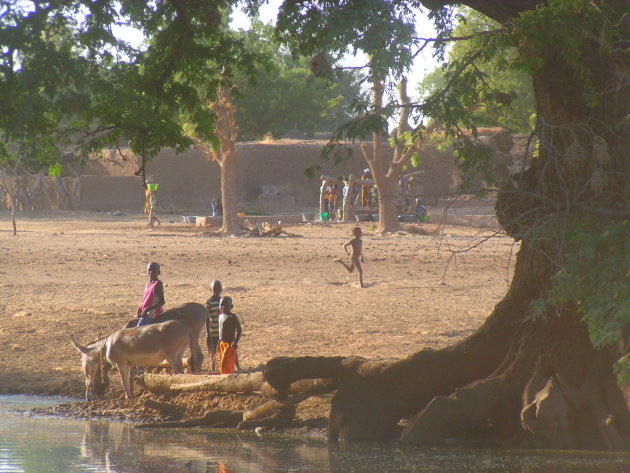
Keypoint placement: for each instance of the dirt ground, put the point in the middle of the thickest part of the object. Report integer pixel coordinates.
(82, 274)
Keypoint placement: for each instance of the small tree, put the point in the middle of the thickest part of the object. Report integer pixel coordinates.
(385, 171)
(384, 31)
(224, 155)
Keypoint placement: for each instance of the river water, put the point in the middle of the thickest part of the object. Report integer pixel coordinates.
(34, 444)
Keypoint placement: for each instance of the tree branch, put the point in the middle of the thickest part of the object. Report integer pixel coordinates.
(459, 38)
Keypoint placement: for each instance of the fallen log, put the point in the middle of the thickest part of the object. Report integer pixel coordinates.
(226, 383)
(299, 386)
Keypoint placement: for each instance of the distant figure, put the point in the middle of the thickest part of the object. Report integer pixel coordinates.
(230, 332)
(356, 257)
(421, 209)
(152, 303)
(332, 198)
(212, 324)
(217, 207)
(153, 208)
(366, 197)
(147, 199)
(374, 197)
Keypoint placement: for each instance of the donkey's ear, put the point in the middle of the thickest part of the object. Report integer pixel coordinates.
(78, 346)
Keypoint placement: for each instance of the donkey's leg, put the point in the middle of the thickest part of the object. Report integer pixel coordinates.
(125, 377)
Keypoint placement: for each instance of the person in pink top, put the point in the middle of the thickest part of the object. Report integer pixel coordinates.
(152, 303)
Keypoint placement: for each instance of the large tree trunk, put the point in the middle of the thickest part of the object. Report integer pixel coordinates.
(227, 131)
(379, 166)
(228, 194)
(525, 378)
(387, 206)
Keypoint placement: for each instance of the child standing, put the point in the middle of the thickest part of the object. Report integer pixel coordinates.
(152, 303)
(356, 256)
(229, 335)
(212, 324)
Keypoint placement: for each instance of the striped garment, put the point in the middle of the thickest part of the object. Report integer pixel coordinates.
(212, 305)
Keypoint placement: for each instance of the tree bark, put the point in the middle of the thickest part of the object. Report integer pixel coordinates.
(376, 161)
(228, 194)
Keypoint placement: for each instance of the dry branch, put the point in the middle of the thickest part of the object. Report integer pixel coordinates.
(265, 229)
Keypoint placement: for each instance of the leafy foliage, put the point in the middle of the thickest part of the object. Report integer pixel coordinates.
(285, 95)
(383, 30)
(581, 21)
(506, 97)
(64, 73)
(595, 275)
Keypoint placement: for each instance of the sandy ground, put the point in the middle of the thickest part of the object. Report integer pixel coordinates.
(82, 274)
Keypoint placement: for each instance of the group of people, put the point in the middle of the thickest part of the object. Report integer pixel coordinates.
(223, 326)
(365, 196)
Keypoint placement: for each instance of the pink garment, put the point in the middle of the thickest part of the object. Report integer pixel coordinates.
(149, 298)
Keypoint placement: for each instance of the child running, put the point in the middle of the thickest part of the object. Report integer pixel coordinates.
(152, 303)
(212, 324)
(229, 334)
(356, 257)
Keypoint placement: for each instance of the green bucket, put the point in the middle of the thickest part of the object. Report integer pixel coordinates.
(323, 216)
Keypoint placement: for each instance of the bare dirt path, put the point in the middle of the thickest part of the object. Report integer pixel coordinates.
(83, 274)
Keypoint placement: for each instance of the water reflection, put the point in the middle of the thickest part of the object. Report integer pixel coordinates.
(33, 445)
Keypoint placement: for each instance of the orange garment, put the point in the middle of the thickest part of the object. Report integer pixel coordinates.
(227, 358)
(224, 469)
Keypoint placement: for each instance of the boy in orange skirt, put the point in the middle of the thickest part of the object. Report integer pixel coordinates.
(229, 334)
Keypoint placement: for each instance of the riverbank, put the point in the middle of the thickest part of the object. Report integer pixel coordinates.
(82, 274)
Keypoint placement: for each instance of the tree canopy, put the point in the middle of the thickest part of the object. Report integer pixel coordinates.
(65, 73)
(510, 96)
(286, 95)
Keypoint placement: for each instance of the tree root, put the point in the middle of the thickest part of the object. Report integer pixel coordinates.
(591, 415)
(217, 419)
(279, 413)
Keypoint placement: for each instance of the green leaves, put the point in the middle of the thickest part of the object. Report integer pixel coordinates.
(567, 30)
(384, 31)
(285, 94)
(595, 275)
(63, 72)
